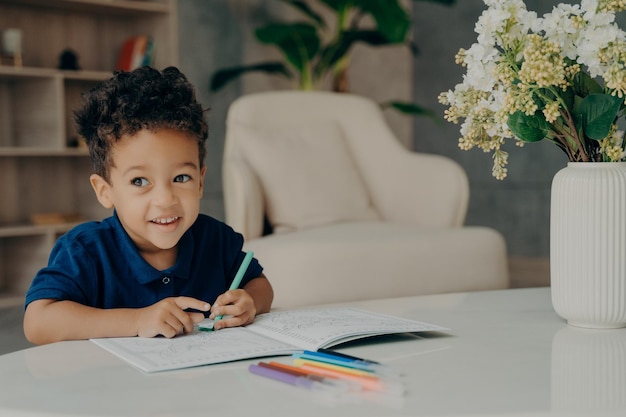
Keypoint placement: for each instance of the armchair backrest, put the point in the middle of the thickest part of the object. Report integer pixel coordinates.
(404, 186)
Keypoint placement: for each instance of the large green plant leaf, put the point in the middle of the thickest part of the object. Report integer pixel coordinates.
(599, 112)
(528, 128)
(298, 42)
(333, 52)
(224, 76)
(568, 96)
(585, 85)
(304, 8)
(391, 18)
(444, 2)
(338, 5)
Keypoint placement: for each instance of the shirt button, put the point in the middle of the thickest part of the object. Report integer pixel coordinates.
(166, 280)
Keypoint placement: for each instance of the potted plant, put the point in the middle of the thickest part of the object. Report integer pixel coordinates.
(312, 56)
(561, 78)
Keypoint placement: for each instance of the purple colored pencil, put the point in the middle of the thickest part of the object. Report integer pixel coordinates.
(282, 376)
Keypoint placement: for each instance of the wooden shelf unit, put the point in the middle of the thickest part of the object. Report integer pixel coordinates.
(42, 168)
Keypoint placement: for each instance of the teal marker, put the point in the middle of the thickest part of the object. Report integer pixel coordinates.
(239, 276)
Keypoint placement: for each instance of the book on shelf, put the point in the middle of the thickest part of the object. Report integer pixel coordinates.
(271, 334)
(136, 51)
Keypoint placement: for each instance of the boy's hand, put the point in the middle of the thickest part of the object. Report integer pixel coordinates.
(236, 303)
(169, 318)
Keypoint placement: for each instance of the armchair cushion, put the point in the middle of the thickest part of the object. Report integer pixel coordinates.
(307, 174)
(364, 260)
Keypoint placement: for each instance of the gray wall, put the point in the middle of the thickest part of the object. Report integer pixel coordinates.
(218, 33)
(208, 40)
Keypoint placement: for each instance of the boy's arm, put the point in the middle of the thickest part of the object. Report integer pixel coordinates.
(47, 321)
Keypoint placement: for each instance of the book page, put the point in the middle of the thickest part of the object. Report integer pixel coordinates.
(316, 328)
(197, 348)
(271, 334)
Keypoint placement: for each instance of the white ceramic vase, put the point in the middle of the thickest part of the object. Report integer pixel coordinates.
(588, 244)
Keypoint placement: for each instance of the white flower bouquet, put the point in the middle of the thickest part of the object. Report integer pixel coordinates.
(560, 77)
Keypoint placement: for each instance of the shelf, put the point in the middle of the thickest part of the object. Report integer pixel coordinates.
(33, 151)
(35, 230)
(9, 72)
(99, 6)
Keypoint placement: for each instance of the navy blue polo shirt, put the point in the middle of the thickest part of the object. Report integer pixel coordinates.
(98, 265)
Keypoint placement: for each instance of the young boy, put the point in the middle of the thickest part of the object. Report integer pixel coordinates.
(155, 266)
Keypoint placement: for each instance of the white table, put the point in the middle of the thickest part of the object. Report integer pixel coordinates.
(507, 353)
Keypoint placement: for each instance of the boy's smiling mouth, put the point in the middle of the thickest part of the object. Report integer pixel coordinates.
(165, 220)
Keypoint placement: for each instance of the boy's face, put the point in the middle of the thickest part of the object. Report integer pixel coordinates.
(155, 186)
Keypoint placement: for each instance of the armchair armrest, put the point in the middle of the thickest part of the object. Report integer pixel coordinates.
(243, 198)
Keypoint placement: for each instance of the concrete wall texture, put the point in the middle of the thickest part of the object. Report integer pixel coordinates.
(218, 34)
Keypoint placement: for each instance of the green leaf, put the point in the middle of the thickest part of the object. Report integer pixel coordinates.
(568, 96)
(306, 10)
(409, 108)
(338, 5)
(444, 2)
(390, 17)
(298, 42)
(333, 53)
(576, 107)
(528, 128)
(585, 85)
(412, 109)
(599, 112)
(224, 76)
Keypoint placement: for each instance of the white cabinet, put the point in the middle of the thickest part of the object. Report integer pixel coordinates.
(44, 172)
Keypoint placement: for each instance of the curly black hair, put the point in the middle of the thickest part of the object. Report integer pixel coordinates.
(128, 102)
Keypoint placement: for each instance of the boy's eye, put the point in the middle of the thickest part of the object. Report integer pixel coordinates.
(139, 182)
(182, 178)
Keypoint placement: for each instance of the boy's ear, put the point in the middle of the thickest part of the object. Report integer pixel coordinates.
(202, 173)
(102, 189)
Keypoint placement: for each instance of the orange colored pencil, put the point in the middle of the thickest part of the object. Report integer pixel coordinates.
(299, 362)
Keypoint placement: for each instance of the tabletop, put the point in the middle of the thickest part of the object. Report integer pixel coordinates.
(506, 353)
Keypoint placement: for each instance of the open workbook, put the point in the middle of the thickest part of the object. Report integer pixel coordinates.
(271, 334)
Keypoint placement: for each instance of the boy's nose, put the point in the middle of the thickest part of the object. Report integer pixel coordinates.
(164, 196)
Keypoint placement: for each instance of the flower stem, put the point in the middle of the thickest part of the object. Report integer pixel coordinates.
(573, 133)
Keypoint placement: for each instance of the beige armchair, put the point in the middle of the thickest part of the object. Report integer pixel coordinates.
(354, 214)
